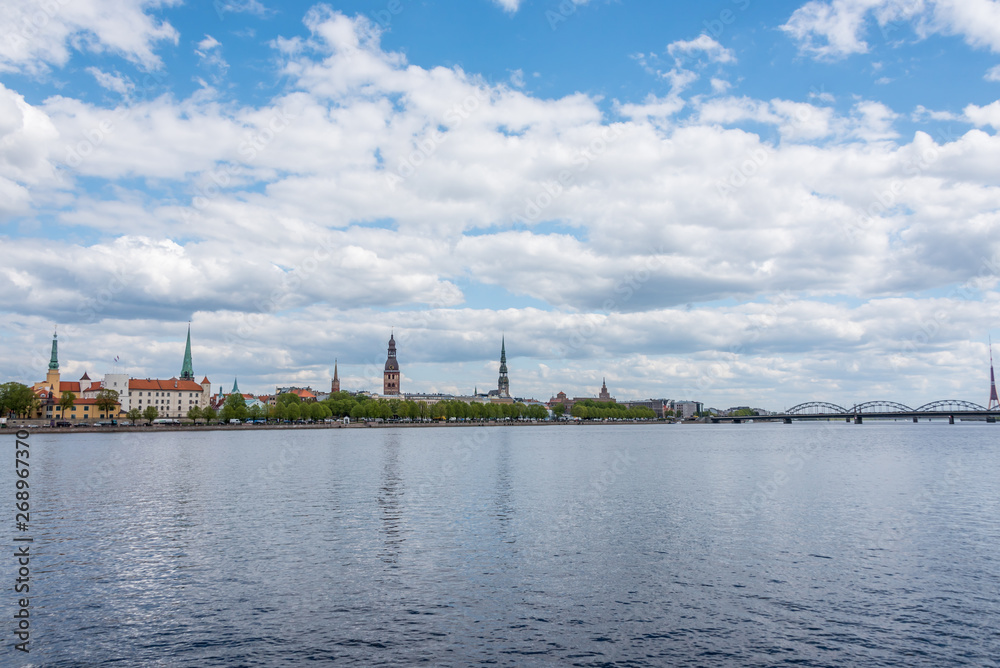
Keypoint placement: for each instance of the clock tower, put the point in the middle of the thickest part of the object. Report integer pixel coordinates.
(390, 377)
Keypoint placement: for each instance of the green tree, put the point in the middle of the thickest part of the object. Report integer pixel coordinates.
(107, 400)
(16, 398)
(209, 414)
(559, 410)
(235, 407)
(66, 401)
(150, 414)
(289, 398)
(194, 413)
(292, 410)
(133, 415)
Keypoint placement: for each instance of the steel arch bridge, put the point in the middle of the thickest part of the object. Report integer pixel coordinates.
(949, 406)
(821, 407)
(882, 407)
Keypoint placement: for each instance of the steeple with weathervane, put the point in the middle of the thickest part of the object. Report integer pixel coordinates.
(503, 384)
(187, 369)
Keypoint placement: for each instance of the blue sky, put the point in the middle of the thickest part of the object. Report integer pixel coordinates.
(730, 201)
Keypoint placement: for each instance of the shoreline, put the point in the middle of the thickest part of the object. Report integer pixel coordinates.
(160, 428)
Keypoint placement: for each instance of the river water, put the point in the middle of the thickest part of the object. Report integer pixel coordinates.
(812, 544)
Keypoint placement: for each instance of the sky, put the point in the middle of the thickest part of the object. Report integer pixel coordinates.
(734, 202)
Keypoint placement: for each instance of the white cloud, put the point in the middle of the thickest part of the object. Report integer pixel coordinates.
(988, 115)
(209, 52)
(720, 85)
(113, 82)
(40, 36)
(993, 74)
(509, 5)
(206, 44)
(610, 225)
(714, 51)
(833, 29)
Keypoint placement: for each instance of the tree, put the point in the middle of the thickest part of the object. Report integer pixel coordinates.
(289, 398)
(150, 414)
(16, 398)
(134, 414)
(194, 413)
(106, 401)
(66, 401)
(209, 414)
(235, 406)
(559, 409)
(292, 410)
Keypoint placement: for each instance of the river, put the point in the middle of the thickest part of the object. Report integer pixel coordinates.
(811, 544)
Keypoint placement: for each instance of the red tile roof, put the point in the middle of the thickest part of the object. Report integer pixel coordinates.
(172, 384)
(69, 386)
(205, 380)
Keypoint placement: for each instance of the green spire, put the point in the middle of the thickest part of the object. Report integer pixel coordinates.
(187, 369)
(54, 362)
(503, 356)
(236, 388)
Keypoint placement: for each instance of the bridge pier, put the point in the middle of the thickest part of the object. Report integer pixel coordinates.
(848, 420)
(857, 420)
(991, 420)
(915, 420)
(951, 419)
(787, 420)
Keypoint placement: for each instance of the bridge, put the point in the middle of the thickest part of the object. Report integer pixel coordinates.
(948, 409)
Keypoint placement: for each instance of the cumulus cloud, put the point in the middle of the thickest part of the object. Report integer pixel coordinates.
(988, 115)
(39, 36)
(382, 193)
(833, 29)
(703, 44)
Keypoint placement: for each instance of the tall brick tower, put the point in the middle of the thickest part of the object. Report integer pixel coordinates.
(390, 377)
(335, 384)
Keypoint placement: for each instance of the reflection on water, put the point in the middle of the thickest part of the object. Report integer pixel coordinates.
(719, 545)
(390, 499)
(503, 491)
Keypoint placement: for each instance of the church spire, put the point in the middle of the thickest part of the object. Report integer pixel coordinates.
(335, 385)
(187, 369)
(54, 361)
(236, 388)
(503, 383)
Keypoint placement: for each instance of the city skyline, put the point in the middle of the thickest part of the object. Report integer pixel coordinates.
(728, 202)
